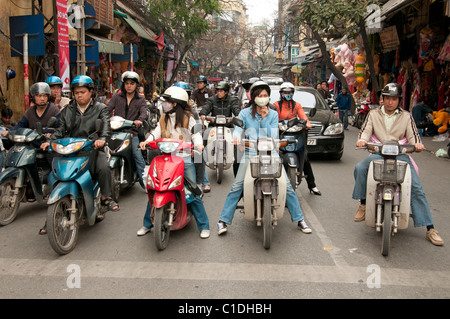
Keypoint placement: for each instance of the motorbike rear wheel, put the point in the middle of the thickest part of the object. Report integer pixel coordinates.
(162, 229)
(9, 202)
(267, 221)
(219, 166)
(62, 237)
(387, 228)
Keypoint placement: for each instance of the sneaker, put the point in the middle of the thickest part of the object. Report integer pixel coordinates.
(143, 230)
(222, 227)
(434, 237)
(304, 227)
(360, 213)
(204, 233)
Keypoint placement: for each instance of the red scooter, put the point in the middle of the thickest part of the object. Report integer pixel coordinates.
(169, 193)
(362, 111)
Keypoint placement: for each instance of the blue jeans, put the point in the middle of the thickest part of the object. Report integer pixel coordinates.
(236, 190)
(197, 208)
(138, 159)
(419, 203)
(205, 179)
(343, 116)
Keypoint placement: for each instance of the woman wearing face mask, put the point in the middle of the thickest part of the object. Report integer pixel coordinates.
(287, 108)
(177, 122)
(259, 119)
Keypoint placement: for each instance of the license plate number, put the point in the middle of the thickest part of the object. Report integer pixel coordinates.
(311, 142)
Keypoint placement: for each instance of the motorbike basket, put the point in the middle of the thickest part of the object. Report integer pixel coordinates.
(266, 166)
(389, 171)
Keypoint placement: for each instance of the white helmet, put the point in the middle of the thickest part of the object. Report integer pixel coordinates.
(287, 86)
(130, 75)
(259, 84)
(176, 94)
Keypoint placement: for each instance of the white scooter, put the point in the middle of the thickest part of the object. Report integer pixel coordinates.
(388, 193)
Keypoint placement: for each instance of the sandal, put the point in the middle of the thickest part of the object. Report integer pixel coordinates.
(206, 189)
(43, 231)
(110, 203)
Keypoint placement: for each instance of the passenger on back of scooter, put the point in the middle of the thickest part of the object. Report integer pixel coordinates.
(287, 109)
(56, 85)
(177, 122)
(391, 123)
(78, 120)
(259, 120)
(130, 105)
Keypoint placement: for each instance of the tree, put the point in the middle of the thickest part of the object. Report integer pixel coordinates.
(182, 21)
(327, 18)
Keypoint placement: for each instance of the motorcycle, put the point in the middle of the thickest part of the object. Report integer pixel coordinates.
(219, 147)
(292, 130)
(75, 197)
(388, 194)
(25, 176)
(123, 166)
(169, 192)
(265, 185)
(361, 113)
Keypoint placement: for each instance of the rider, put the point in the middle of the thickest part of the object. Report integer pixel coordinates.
(287, 108)
(177, 122)
(391, 122)
(130, 105)
(202, 92)
(56, 85)
(259, 120)
(78, 120)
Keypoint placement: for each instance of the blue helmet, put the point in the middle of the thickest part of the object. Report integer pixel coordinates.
(53, 80)
(82, 80)
(183, 85)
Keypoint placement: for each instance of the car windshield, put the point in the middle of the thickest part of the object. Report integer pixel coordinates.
(306, 98)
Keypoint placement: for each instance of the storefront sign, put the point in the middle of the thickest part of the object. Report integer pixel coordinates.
(63, 43)
(389, 38)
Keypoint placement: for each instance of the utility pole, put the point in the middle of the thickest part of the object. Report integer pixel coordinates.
(81, 44)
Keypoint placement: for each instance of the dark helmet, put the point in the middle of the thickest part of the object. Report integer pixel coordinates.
(249, 83)
(223, 85)
(40, 88)
(392, 89)
(53, 80)
(202, 78)
(82, 80)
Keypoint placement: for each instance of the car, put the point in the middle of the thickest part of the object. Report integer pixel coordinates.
(327, 134)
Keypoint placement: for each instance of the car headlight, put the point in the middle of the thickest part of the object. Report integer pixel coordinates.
(390, 149)
(334, 129)
(265, 145)
(68, 149)
(116, 122)
(168, 147)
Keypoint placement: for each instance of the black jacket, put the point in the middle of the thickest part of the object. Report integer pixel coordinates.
(84, 124)
(137, 110)
(227, 106)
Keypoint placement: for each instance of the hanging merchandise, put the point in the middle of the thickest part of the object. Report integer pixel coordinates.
(360, 68)
(444, 55)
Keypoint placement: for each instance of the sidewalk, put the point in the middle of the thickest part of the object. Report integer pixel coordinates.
(431, 145)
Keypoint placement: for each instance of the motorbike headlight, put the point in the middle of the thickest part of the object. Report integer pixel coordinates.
(334, 129)
(221, 120)
(265, 145)
(388, 149)
(116, 122)
(19, 138)
(282, 127)
(68, 149)
(124, 145)
(168, 147)
(150, 181)
(176, 182)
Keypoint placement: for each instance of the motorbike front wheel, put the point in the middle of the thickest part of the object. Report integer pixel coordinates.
(267, 221)
(292, 175)
(360, 120)
(162, 228)
(62, 236)
(387, 228)
(115, 183)
(9, 201)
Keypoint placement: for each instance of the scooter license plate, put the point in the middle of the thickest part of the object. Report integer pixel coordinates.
(311, 141)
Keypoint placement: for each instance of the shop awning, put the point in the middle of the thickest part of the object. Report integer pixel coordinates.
(139, 29)
(105, 45)
(393, 6)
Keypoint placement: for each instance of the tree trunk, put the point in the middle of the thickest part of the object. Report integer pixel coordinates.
(369, 57)
(337, 73)
(157, 73)
(179, 62)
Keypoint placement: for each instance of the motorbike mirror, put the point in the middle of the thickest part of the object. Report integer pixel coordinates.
(52, 122)
(312, 112)
(197, 128)
(237, 121)
(146, 126)
(39, 127)
(292, 122)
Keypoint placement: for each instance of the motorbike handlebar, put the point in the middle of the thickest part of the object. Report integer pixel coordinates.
(377, 148)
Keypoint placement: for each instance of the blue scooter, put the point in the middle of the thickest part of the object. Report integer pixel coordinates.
(75, 198)
(25, 175)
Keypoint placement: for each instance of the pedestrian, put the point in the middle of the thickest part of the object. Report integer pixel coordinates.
(344, 103)
(391, 122)
(324, 90)
(259, 120)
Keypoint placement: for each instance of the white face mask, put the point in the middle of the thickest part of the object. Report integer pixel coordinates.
(167, 106)
(262, 101)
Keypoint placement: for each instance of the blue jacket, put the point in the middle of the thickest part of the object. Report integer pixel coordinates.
(344, 102)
